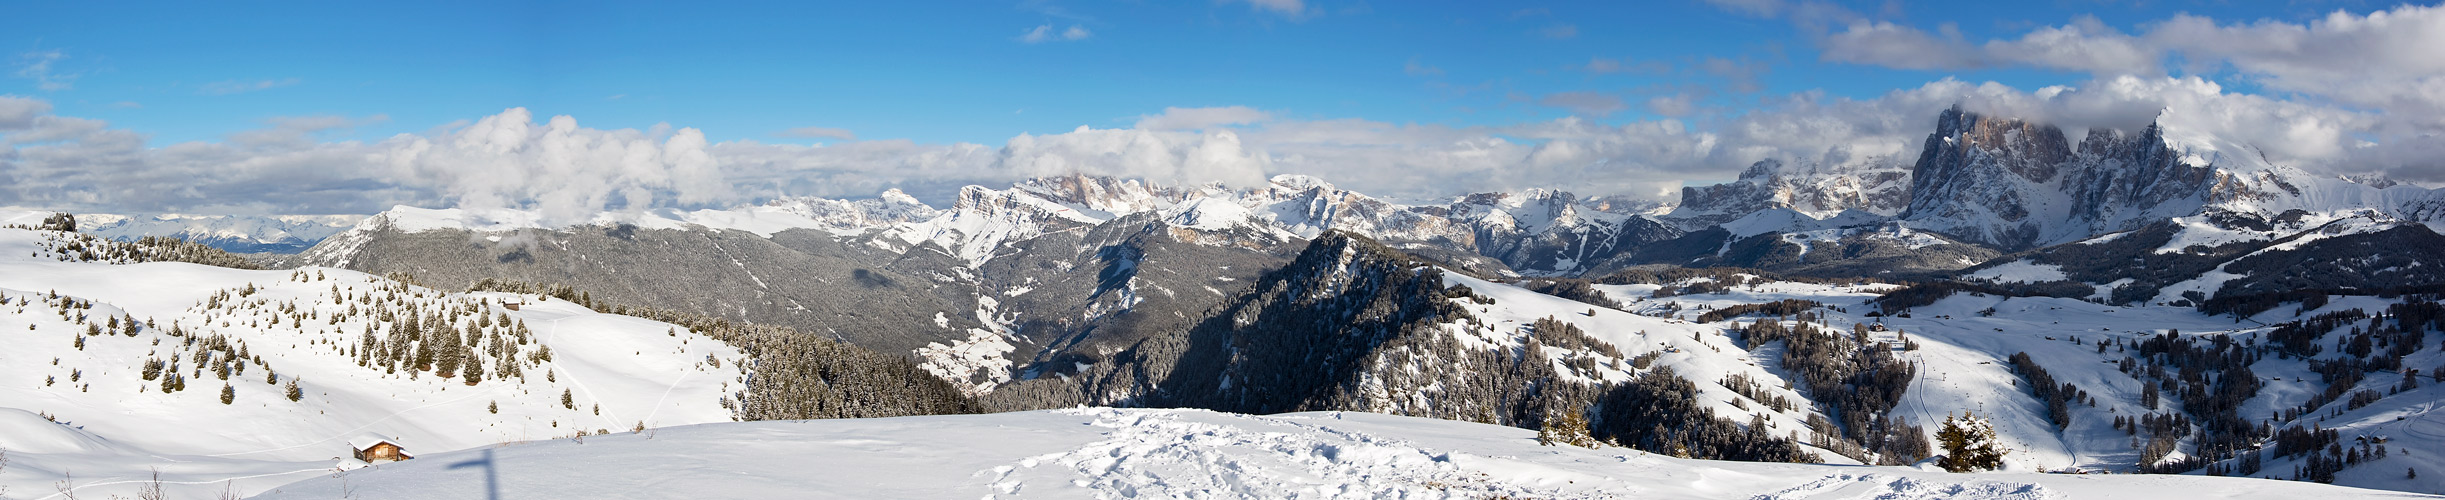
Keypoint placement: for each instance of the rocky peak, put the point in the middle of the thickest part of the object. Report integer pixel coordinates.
(2016, 184)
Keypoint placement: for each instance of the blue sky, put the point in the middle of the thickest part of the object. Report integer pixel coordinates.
(942, 74)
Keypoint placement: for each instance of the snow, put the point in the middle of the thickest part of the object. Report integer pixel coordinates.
(1138, 453)
(115, 427)
(2021, 271)
(1206, 214)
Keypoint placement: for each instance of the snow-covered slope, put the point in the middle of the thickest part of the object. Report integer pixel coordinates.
(94, 347)
(1964, 344)
(1109, 453)
(243, 234)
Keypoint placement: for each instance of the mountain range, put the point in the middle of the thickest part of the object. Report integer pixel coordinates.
(2148, 300)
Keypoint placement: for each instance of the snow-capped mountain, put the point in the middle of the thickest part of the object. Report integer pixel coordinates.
(1876, 184)
(2017, 184)
(235, 233)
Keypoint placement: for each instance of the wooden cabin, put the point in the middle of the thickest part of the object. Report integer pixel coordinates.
(375, 449)
(511, 305)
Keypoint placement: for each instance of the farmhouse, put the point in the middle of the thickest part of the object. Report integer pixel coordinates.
(376, 449)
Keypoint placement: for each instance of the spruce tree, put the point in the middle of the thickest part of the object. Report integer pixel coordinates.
(474, 370)
(1969, 444)
(228, 394)
(295, 393)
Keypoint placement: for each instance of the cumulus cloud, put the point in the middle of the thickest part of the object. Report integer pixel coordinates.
(17, 113)
(819, 133)
(37, 66)
(1200, 118)
(566, 171)
(2381, 60)
(563, 171)
(298, 131)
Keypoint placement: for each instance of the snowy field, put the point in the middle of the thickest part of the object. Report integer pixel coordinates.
(1109, 453)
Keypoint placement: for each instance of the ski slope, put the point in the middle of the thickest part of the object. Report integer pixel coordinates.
(1138, 453)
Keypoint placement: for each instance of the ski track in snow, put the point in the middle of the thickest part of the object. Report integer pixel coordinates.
(1885, 487)
(1157, 455)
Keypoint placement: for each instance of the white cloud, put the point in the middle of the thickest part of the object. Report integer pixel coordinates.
(36, 66)
(1585, 103)
(568, 171)
(1560, 31)
(298, 131)
(2384, 60)
(239, 87)
(819, 133)
(1201, 118)
(1045, 33)
(17, 113)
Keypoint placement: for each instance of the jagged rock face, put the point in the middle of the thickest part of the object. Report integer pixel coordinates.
(1543, 232)
(2017, 185)
(1874, 185)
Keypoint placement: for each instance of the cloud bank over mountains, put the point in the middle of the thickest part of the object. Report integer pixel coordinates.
(2345, 94)
(565, 170)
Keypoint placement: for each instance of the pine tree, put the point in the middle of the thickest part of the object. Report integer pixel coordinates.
(1969, 444)
(228, 394)
(295, 393)
(566, 401)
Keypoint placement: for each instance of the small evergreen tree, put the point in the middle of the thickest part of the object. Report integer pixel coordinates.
(1569, 428)
(228, 394)
(1969, 444)
(295, 393)
(474, 371)
(566, 401)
